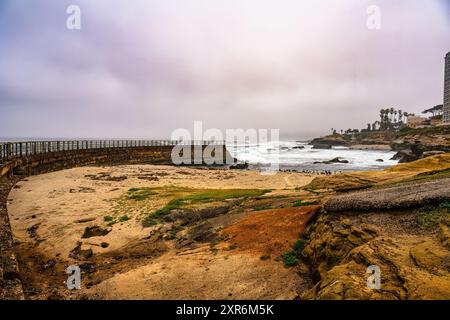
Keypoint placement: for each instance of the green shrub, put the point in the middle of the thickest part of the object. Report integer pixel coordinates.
(108, 218)
(299, 245)
(445, 204)
(124, 218)
(290, 259)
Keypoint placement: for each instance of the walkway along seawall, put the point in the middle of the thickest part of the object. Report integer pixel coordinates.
(22, 159)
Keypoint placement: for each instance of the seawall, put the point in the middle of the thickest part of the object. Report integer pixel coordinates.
(22, 159)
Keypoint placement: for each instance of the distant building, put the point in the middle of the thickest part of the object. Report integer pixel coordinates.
(436, 121)
(446, 108)
(416, 121)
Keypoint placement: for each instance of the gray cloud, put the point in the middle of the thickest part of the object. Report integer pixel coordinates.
(144, 68)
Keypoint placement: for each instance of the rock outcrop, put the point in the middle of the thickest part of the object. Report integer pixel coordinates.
(417, 140)
(403, 196)
(340, 250)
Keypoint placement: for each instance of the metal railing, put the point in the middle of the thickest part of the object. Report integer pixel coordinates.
(14, 150)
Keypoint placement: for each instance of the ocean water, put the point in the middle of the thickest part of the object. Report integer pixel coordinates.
(290, 158)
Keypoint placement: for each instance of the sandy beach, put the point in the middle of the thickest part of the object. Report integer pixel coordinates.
(50, 214)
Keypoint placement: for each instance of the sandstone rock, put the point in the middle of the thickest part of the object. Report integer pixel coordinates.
(403, 196)
(86, 253)
(405, 156)
(81, 252)
(202, 233)
(95, 231)
(444, 235)
(412, 266)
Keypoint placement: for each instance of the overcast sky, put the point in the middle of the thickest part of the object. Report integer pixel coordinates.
(141, 69)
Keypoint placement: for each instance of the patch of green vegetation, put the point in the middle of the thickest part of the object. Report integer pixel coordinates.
(232, 247)
(108, 218)
(300, 203)
(110, 224)
(124, 218)
(149, 222)
(173, 204)
(220, 195)
(264, 257)
(290, 259)
(430, 216)
(260, 208)
(299, 245)
(429, 130)
(139, 194)
(200, 195)
(446, 204)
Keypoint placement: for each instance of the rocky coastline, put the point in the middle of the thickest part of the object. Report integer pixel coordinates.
(410, 144)
(398, 223)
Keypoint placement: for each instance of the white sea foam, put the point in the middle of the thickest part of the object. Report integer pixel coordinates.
(303, 159)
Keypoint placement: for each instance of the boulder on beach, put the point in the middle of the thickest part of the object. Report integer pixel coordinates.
(240, 166)
(379, 160)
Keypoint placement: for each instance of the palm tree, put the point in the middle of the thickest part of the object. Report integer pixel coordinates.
(386, 118)
(391, 111)
(378, 123)
(383, 113)
(400, 115)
